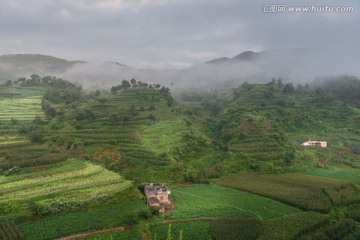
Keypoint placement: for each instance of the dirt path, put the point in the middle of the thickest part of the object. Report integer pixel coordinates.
(116, 229)
(122, 228)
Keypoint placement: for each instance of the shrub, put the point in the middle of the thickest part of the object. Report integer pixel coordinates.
(11, 171)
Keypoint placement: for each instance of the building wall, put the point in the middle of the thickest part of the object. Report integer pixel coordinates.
(163, 198)
(315, 143)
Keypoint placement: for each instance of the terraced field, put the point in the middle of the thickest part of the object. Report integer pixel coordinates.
(69, 185)
(161, 137)
(113, 131)
(21, 109)
(12, 139)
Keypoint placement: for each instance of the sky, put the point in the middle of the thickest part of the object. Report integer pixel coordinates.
(170, 34)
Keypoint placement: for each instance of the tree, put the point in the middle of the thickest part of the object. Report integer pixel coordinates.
(34, 80)
(97, 93)
(21, 80)
(8, 83)
(36, 136)
(289, 88)
(125, 85)
(113, 90)
(102, 101)
(133, 81)
(46, 80)
(300, 88)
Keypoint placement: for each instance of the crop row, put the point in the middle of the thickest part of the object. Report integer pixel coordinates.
(101, 135)
(10, 142)
(35, 181)
(14, 145)
(255, 149)
(95, 180)
(9, 230)
(45, 159)
(189, 230)
(292, 226)
(24, 149)
(299, 190)
(236, 228)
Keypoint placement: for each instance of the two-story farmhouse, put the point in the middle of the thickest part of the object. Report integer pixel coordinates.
(157, 194)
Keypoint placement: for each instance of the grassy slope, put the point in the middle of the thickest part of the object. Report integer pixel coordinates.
(217, 201)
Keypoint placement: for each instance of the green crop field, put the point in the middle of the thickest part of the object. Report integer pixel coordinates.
(299, 190)
(9, 230)
(236, 228)
(100, 217)
(190, 230)
(65, 186)
(292, 226)
(217, 201)
(37, 171)
(77, 184)
(128, 234)
(352, 175)
(162, 136)
(21, 109)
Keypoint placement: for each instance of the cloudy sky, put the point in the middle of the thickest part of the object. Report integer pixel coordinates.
(169, 33)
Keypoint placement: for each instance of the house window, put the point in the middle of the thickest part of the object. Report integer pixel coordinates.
(161, 198)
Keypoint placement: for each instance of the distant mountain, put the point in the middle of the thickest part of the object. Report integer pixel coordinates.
(244, 56)
(294, 65)
(18, 65)
(115, 64)
(219, 60)
(247, 56)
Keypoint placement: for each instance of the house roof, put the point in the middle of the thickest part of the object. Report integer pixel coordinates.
(156, 188)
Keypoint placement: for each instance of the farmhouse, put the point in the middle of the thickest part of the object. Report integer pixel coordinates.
(315, 143)
(157, 194)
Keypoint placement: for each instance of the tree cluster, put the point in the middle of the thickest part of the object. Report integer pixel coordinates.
(345, 88)
(134, 84)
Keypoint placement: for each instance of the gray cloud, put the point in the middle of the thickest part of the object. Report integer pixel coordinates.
(168, 33)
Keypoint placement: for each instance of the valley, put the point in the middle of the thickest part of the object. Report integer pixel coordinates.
(76, 162)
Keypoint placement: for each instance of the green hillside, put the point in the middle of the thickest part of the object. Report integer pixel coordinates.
(233, 161)
(264, 125)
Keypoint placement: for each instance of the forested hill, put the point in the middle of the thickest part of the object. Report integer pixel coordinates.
(263, 126)
(136, 126)
(13, 66)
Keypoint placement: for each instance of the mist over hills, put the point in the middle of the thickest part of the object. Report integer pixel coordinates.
(296, 65)
(19, 65)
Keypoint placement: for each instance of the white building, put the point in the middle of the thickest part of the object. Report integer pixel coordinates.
(315, 143)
